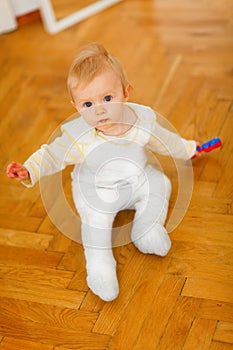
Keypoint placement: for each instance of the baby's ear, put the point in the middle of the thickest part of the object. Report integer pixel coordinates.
(73, 104)
(127, 92)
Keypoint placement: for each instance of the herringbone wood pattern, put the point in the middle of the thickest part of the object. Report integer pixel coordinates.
(179, 58)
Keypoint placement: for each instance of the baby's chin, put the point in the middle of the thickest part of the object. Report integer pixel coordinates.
(107, 127)
(114, 129)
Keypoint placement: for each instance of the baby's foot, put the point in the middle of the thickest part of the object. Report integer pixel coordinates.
(155, 241)
(102, 280)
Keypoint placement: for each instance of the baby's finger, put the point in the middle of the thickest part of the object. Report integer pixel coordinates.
(13, 169)
(23, 174)
(9, 170)
(12, 175)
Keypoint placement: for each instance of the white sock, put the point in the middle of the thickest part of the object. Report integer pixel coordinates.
(101, 273)
(155, 241)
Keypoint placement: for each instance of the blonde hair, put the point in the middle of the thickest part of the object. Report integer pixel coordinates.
(92, 60)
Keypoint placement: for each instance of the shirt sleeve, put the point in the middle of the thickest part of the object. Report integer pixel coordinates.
(167, 143)
(52, 158)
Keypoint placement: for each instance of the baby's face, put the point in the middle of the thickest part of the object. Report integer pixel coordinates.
(95, 101)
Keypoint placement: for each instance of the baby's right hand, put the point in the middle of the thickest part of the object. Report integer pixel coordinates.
(17, 171)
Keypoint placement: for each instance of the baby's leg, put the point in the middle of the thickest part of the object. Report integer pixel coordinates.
(100, 262)
(148, 233)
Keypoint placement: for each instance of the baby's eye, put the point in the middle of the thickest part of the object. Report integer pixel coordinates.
(108, 98)
(87, 104)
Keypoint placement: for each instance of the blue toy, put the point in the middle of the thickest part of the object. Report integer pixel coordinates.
(209, 146)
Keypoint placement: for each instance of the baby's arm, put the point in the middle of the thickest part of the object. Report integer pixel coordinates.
(17, 171)
(49, 159)
(166, 142)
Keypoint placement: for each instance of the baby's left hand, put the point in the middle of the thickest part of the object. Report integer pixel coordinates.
(207, 146)
(197, 153)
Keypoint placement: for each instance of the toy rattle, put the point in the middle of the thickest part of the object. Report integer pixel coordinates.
(209, 146)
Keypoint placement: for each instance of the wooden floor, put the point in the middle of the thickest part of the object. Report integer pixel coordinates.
(179, 58)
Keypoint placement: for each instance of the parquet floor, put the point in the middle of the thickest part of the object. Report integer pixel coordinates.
(179, 58)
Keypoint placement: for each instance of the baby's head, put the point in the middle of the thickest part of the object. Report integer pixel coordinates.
(96, 77)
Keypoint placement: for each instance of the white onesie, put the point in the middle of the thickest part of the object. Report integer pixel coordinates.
(108, 169)
(112, 174)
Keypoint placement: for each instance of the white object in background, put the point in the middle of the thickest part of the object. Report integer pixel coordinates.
(52, 25)
(7, 17)
(22, 7)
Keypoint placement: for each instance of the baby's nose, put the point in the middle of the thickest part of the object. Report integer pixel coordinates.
(100, 110)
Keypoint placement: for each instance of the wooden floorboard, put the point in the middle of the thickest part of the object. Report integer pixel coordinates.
(179, 59)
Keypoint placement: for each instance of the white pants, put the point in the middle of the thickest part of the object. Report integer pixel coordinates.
(149, 195)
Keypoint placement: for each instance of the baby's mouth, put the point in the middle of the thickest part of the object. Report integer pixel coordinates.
(103, 120)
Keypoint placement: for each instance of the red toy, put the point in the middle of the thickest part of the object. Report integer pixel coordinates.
(209, 146)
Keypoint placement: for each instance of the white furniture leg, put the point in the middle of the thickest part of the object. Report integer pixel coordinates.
(52, 25)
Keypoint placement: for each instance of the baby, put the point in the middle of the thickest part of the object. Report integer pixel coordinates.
(107, 143)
